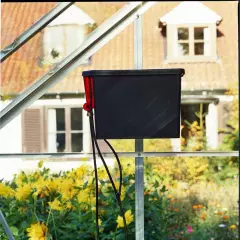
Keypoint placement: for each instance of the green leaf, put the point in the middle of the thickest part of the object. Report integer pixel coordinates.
(164, 189)
(14, 231)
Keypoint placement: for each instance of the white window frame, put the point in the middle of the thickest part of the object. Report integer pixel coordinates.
(172, 40)
(85, 127)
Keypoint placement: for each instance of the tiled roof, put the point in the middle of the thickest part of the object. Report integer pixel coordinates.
(22, 68)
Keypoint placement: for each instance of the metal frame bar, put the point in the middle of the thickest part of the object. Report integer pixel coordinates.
(124, 154)
(33, 30)
(99, 37)
(139, 160)
(5, 226)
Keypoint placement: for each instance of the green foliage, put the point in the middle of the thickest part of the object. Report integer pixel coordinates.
(65, 204)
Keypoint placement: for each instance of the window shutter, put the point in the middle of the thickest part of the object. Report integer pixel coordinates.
(102, 145)
(32, 130)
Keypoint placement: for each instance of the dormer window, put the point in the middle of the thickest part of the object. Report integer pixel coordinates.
(191, 33)
(65, 34)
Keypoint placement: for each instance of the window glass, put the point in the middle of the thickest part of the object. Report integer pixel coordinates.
(74, 37)
(54, 44)
(61, 142)
(77, 142)
(191, 113)
(199, 33)
(183, 34)
(76, 119)
(183, 49)
(199, 49)
(60, 119)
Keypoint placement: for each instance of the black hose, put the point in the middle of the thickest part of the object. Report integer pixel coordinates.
(117, 193)
(96, 183)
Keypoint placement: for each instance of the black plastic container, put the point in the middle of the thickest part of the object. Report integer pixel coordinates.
(136, 104)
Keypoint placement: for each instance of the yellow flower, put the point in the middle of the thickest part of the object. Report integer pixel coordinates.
(40, 186)
(102, 174)
(129, 218)
(37, 231)
(82, 171)
(53, 184)
(55, 205)
(233, 227)
(20, 178)
(99, 222)
(23, 192)
(67, 190)
(5, 191)
(128, 169)
(86, 197)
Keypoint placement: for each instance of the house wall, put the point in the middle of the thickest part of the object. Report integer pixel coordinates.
(11, 134)
(11, 142)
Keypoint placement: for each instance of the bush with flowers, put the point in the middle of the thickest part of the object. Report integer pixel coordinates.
(42, 205)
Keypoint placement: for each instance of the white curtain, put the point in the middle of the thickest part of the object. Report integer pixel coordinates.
(52, 129)
(212, 126)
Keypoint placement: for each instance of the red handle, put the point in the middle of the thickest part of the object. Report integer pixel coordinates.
(88, 83)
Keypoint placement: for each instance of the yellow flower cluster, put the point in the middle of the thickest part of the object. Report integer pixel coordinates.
(5, 191)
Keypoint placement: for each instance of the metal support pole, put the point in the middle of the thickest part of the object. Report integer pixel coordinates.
(5, 226)
(139, 166)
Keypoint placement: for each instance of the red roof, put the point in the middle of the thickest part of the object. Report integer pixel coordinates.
(23, 68)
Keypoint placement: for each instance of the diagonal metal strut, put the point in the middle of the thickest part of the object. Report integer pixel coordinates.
(99, 37)
(33, 30)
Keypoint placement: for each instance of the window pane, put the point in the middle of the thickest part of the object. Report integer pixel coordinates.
(183, 49)
(76, 118)
(183, 34)
(60, 118)
(53, 44)
(199, 48)
(198, 33)
(77, 142)
(61, 142)
(75, 36)
(201, 33)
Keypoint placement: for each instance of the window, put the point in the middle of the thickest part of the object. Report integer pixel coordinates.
(61, 40)
(191, 113)
(191, 42)
(65, 129)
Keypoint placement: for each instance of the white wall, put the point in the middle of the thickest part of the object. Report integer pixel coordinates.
(11, 134)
